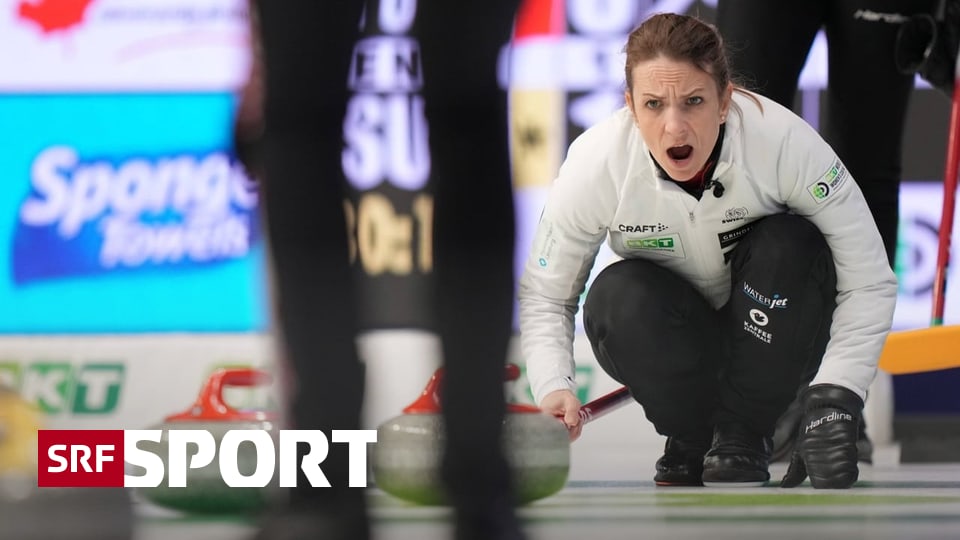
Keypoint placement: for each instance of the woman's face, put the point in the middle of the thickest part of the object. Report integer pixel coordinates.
(678, 109)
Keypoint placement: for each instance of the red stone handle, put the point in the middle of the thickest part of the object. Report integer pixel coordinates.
(210, 405)
(429, 400)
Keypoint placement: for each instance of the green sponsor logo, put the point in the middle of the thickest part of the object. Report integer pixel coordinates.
(665, 242)
(62, 387)
(832, 173)
(828, 183)
(820, 190)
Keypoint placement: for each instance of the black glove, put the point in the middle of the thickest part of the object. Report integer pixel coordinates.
(927, 44)
(826, 447)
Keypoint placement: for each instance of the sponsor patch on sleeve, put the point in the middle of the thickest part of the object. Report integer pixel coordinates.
(829, 183)
(545, 243)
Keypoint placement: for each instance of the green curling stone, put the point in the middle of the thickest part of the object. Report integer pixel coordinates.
(205, 491)
(406, 459)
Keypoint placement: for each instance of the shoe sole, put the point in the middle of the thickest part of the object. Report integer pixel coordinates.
(662, 483)
(735, 484)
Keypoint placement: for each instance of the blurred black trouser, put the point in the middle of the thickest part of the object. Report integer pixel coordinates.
(473, 233)
(307, 47)
(691, 366)
(867, 97)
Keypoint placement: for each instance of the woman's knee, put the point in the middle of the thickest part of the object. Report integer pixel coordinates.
(780, 239)
(629, 289)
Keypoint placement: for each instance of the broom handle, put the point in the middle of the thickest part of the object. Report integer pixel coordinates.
(605, 404)
(949, 198)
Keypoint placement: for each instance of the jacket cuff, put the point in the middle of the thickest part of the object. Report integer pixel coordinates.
(552, 385)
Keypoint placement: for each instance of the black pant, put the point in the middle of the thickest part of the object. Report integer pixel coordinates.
(473, 233)
(692, 366)
(867, 96)
(308, 45)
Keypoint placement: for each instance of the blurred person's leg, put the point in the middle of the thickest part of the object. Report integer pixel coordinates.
(307, 46)
(867, 101)
(473, 249)
(768, 41)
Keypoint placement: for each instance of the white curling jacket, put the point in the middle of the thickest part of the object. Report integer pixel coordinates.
(771, 162)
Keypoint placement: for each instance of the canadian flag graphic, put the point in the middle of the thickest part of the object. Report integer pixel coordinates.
(53, 15)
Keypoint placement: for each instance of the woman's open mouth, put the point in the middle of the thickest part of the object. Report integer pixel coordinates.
(679, 153)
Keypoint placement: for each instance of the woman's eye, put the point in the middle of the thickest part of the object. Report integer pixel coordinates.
(653, 104)
(694, 100)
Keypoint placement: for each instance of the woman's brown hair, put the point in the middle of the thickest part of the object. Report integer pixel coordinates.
(680, 38)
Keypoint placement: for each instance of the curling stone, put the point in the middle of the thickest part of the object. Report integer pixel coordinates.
(26, 510)
(406, 459)
(19, 424)
(206, 492)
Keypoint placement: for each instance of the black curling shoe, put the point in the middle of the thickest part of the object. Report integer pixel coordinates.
(738, 458)
(681, 464)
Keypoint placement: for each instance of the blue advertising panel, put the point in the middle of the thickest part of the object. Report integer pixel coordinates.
(126, 213)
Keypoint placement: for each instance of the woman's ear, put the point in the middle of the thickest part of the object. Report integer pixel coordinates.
(725, 101)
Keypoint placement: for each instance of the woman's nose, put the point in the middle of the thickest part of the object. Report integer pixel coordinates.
(674, 122)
